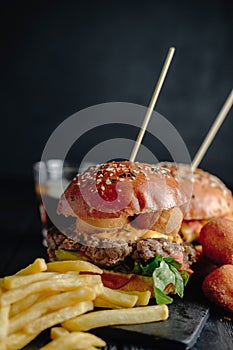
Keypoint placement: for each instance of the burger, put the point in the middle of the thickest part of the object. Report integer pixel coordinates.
(209, 199)
(127, 221)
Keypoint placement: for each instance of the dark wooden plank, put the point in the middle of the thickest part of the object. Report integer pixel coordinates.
(217, 334)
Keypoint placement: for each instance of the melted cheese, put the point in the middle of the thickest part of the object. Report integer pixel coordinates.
(126, 232)
(156, 234)
(190, 229)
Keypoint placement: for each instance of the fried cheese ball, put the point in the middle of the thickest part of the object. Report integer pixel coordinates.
(218, 287)
(216, 238)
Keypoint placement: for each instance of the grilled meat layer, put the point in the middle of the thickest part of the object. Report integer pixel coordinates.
(109, 252)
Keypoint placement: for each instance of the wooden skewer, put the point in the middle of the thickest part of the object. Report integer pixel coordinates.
(152, 103)
(213, 130)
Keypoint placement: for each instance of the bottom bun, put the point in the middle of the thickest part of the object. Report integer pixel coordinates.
(131, 282)
(139, 284)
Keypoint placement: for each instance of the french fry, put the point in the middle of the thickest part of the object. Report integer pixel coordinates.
(3, 344)
(117, 298)
(98, 288)
(100, 302)
(11, 282)
(43, 295)
(143, 314)
(39, 265)
(73, 265)
(18, 340)
(56, 332)
(75, 341)
(58, 316)
(63, 282)
(25, 303)
(4, 321)
(143, 297)
(51, 303)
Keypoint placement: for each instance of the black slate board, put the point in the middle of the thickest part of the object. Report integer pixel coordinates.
(181, 330)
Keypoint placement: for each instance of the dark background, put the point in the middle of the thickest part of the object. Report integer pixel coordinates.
(58, 57)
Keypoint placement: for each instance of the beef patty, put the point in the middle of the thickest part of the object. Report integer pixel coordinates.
(108, 252)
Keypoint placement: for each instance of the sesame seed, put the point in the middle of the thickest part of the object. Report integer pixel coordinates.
(109, 168)
(94, 191)
(108, 182)
(102, 188)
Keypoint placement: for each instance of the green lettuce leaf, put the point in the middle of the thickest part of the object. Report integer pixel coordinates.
(185, 276)
(162, 270)
(148, 269)
(179, 282)
(166, 274)
(161, 297)
(171, 261)
(163, 276)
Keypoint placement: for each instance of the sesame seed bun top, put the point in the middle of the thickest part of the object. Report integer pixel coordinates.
(120, 190)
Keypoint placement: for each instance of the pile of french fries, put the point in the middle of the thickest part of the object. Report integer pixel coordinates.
(61, 296)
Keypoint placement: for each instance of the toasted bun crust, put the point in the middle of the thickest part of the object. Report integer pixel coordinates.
(210, 197)
(120, 190)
